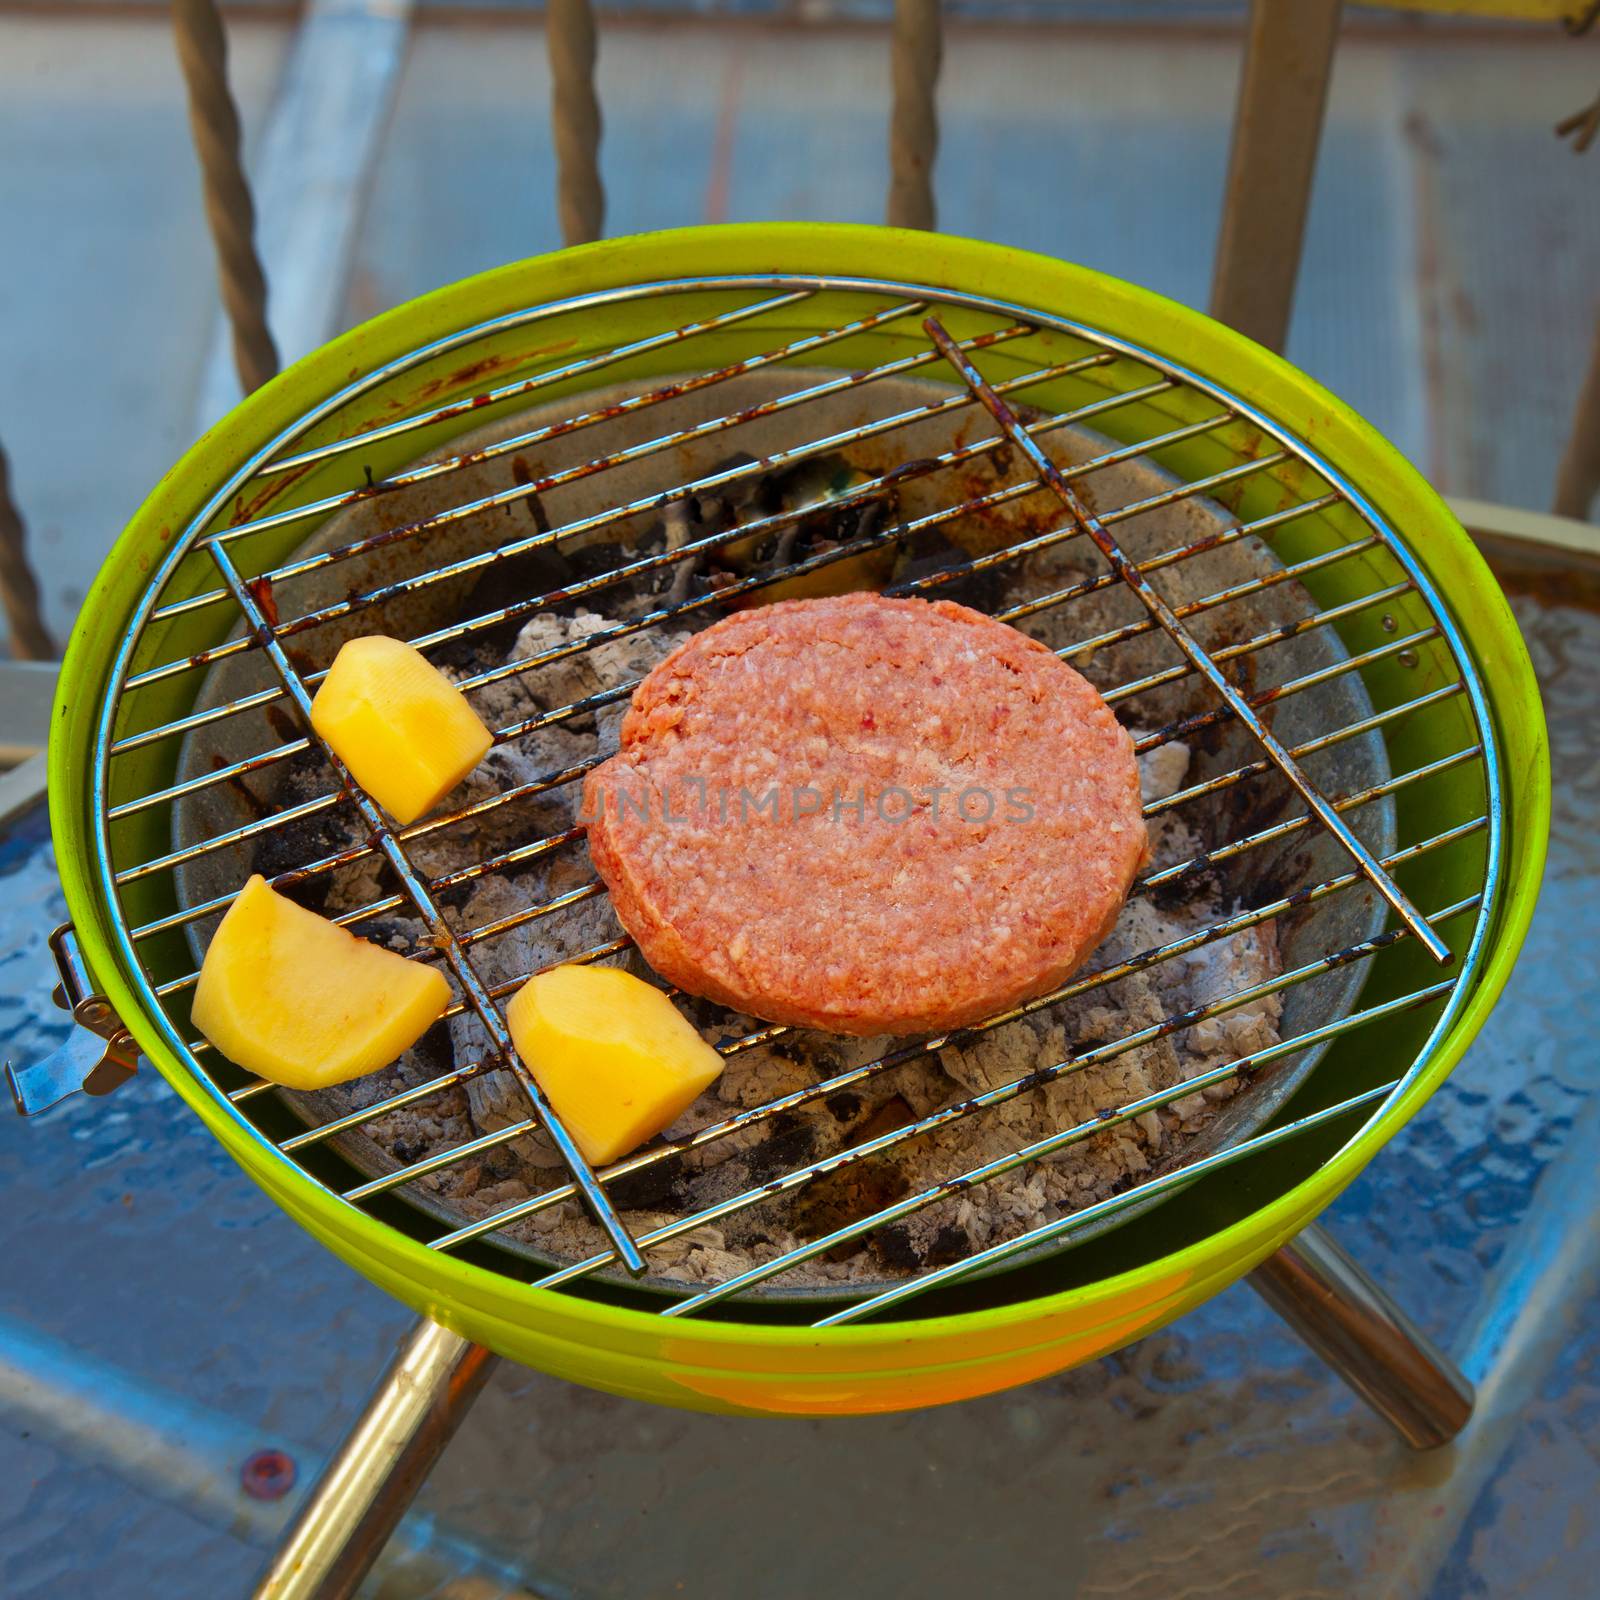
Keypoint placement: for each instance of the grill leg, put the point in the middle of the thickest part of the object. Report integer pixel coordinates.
(1320, 1291)
(350, 1513)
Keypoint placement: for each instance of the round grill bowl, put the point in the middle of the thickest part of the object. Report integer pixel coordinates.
(1335, 922)
(965, 1338)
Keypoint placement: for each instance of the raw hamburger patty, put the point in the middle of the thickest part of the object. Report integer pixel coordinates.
(866, 815)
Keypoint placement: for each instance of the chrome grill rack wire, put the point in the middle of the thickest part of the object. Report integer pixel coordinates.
(223, 582)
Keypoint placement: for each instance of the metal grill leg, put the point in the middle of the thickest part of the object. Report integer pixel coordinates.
(1320, 1291)
(409, 1419)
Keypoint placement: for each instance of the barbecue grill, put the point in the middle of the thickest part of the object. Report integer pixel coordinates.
(215, 569)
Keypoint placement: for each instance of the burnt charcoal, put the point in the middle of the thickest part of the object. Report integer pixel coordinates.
(949, 1244)
(657, 1188)
(759, 493)
(1176, 893)
(848, 1195)
(434, 1052)
(893, 1113)
(932, 553)
(305, 840)
(504, 583)
(302, 777)
(477, 650)
(391, 933)
(983, 591)
(454, 896)
(853, 1193)
(592, 561)
(894, 1249)
(790, 1143)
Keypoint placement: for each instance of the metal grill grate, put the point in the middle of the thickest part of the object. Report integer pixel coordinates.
(1153, 408)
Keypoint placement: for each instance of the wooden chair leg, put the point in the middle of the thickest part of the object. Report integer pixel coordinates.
(1283, 92)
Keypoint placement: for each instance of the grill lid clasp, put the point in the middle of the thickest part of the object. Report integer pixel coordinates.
(99, 1058)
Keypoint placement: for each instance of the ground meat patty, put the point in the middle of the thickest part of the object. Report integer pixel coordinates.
(866, 815)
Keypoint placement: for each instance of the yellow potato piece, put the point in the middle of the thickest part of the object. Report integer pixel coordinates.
(291, 996)
(616, 1059)
(404, 730)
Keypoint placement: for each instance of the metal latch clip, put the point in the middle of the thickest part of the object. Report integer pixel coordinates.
(99, 1055)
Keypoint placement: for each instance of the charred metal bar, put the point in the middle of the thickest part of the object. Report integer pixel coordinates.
(420, 896)
(1191, 647)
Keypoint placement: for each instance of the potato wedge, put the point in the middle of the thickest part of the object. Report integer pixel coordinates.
(406, 732)
(295, 998)
(616, 1059)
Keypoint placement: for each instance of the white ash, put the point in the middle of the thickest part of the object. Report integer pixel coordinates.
(1105, 1162)
(497, 1101)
